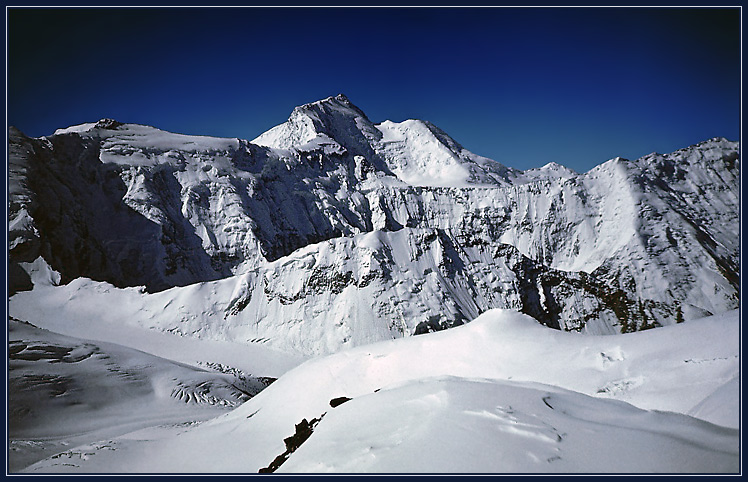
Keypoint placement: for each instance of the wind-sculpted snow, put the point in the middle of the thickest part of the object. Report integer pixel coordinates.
(626, 246)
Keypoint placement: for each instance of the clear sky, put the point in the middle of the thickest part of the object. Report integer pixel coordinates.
(523, 86)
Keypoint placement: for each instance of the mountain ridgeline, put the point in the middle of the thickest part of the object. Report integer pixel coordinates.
(330, 231)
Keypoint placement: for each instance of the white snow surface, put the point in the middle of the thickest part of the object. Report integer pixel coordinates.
(84, 308)
(79, 128)
(501, 394)
(66, 391)
(126, 139)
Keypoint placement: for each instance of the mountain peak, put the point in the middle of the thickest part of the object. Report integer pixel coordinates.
(107, 124)
(333, 117)
(342, 98)
(551, 170)
(334, 106)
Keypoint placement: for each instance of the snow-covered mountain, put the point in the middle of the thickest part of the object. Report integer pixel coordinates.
(369, 232)
(159, 280)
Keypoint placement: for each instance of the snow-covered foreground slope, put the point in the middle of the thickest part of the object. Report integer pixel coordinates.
(65, 391)
(97, 374)
(499, 394)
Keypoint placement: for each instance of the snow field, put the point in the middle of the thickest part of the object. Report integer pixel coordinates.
(499, 394)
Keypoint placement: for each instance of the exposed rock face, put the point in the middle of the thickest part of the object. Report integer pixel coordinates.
(335, 230)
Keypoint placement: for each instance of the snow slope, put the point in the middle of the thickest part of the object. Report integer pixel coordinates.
(500, 394)
(421, 154)
(66, 391)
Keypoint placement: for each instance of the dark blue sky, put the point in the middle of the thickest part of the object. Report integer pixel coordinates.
(523, 86)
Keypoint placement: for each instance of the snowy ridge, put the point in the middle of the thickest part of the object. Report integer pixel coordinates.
(550, 171)
(334, 120)
(421, 154)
